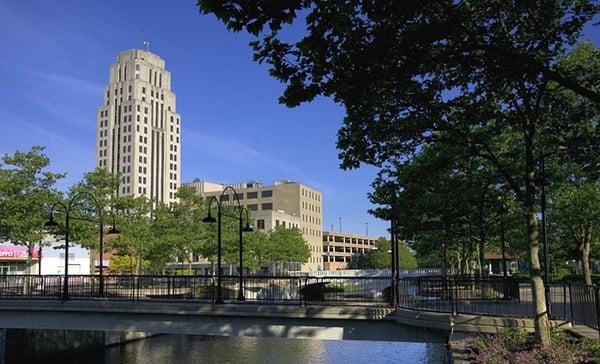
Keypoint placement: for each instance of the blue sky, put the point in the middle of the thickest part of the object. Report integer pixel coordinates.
(54, 66)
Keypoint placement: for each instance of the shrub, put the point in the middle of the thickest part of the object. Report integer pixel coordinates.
(515, 345)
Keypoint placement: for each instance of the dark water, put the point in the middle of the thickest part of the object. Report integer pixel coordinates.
(182, 349)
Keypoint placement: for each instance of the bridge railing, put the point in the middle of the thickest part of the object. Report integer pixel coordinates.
(148, 288)
(497, 296)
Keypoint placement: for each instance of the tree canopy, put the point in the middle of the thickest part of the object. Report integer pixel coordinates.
(491, 75)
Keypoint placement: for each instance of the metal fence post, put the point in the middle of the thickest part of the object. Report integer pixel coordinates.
(571, 304)
(564, 288)
(300, 290)
(597, 299)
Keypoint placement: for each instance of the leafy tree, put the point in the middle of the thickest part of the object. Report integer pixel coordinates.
(102, 185)
(285, 245)
(26, 189)
(127, 264)
(480, 70)
(576, 214)
(179, 227)
(137, 237)
(380, 258)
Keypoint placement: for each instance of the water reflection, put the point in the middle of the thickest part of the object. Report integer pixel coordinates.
(200, 349)
(180, 349)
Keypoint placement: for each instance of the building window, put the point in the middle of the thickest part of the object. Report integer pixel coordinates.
(251, 195)
(260, 224)
(253, 207)
(268, 193)
(267, 206)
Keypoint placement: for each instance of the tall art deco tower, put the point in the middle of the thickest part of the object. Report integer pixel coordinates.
(138, 131)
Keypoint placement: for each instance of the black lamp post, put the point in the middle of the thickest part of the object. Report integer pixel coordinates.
(247, 228)
(502, 211)
(544, 231)
(40, 260)
(393, 259)
(68, 208)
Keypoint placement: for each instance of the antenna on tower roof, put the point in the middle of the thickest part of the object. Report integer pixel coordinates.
(145, 42)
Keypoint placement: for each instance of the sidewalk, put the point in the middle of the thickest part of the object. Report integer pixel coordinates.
(584, 331)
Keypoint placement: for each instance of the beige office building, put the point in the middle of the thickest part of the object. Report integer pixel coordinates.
(339, 249)
(285, 203)
(138, 131)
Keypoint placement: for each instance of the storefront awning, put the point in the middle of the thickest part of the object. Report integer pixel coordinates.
(17, 252)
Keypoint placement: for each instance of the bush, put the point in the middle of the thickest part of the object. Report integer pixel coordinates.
(516, 346)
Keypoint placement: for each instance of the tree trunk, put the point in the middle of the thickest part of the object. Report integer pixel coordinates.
(541, 322)
(29, 257)
(585, 259)
(138, 266)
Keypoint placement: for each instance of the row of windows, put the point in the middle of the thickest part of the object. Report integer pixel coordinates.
(311, 219)
(311, 232)
(264, 206)
(348, 240)
(311, 207)
(283, 224)
(341, 249)
(315, 249)
(314, 259)
(249, 195)
(310, 194)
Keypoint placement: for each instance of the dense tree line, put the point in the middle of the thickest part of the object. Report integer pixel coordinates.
(504, 82)
(151, 234)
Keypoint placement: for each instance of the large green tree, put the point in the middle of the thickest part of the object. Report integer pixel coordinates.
(381, 258)
(477, 69)
(576, 216)
(285, 245)
(27, 188)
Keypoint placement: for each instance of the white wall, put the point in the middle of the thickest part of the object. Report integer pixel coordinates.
(53, 261)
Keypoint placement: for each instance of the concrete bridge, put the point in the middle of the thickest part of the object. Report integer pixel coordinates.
(284, 321)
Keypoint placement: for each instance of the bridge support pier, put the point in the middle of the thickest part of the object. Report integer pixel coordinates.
(2, 345)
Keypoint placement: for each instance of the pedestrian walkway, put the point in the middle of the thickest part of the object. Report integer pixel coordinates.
(584, 331)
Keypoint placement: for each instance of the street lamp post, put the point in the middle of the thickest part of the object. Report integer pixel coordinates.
(40, 260)
(503, 240)
(544, 232)
(394, 257)
(68, 208)
(247, 228)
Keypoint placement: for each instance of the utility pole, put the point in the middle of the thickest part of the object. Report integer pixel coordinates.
(340, 218)
(366, 229)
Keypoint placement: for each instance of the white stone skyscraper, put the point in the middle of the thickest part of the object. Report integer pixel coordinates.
(138, 132)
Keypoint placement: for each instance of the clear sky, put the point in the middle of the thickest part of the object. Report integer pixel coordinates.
(54, 61)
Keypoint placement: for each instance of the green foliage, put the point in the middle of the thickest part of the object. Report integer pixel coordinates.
(286, 245)
(516, 345)
(127, 264)
(576, 213)
(380, 258)
(493, 76)
(26, 192)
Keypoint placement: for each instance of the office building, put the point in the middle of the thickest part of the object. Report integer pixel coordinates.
(339, 249)
(285, 203)
(138, 127)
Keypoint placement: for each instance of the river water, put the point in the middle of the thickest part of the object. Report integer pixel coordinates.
(181, 349)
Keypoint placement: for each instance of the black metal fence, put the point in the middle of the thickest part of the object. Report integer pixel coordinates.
(147, 288)
(496, 296)
(585, 304)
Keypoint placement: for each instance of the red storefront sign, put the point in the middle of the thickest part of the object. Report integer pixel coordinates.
(16, 252)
